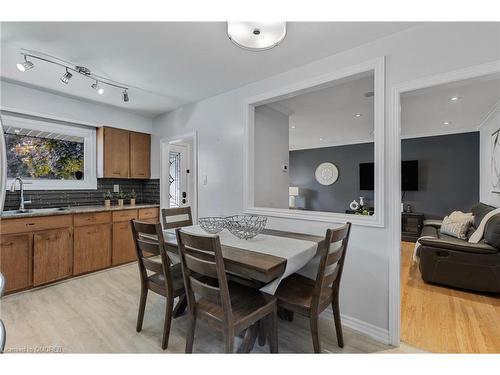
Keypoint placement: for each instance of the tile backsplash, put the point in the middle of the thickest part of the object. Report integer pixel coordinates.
(148, 191)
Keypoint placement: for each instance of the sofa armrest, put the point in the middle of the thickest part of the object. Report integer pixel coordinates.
(433, 223)
(458, 245)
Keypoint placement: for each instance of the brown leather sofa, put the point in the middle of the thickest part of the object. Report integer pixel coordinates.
(454, 262)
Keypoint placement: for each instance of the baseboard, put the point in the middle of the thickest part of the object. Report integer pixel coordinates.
(370, 330)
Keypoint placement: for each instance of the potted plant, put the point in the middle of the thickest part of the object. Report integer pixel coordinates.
(121, 195)
(133, 195)
(107, 199)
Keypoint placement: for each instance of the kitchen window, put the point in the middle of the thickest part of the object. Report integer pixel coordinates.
(49, 155)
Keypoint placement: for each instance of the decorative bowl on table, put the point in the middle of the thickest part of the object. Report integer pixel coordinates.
(246, 226)
(212, 225)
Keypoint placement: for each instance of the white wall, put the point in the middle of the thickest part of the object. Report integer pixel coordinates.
(43, 103)
(425, 50)
(272, 152)
(491, 126)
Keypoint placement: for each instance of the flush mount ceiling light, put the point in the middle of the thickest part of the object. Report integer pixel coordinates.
(26, 65)
(71, 69)
(256, 36)
(66, 77)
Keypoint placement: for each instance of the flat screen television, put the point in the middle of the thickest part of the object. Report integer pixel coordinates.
(409, 175)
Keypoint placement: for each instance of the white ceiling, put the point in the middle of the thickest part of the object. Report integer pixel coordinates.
(325, 117)
(424, 111)
(171, 62)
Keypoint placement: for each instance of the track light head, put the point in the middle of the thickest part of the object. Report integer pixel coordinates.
(66, 77)
(26, 65)
(95, 86)
(125, 96)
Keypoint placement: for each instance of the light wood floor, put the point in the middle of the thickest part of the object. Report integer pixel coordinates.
(97, 314)
(446, 320)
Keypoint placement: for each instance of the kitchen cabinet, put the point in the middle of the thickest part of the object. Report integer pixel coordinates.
(140, 158)
(52, 255)
(15, 261)
(92, 248)
(123, 154)
(123, 240)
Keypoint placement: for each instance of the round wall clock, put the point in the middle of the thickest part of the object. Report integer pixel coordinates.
(326, 173)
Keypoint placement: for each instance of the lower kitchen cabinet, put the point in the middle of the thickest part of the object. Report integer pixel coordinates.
(92, 248)
(52, 255)
(15, 261)
(123, 243)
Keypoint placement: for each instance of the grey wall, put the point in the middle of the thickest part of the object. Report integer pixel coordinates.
(448, 171)
(271, 153)
(448, 174)
(336, 197)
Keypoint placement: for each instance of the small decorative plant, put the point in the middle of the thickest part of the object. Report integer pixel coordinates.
(121, 195)
(132, 195)
(107, 198)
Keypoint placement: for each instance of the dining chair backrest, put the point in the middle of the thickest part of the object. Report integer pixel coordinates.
(176, 217)
(331, 262)
(149, 241)
(202, 256)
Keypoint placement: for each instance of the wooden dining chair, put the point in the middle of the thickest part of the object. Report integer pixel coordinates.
(173, 218)
(164, 278)
(227, 306)
(310, 297)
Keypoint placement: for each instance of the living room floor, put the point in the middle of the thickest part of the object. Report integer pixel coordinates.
(446, 320)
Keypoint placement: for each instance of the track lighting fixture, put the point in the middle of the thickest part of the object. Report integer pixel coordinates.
(26, 65)
(95, 86)
(66, 77)
(72, 69)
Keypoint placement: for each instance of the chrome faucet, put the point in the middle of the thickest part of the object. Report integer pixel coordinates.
(21, 188)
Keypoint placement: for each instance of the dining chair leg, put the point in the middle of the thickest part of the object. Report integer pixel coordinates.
(190, 334)
(273, 331)
(336, 318)
(168, 320)
(262, 332)
(228, 341)
(249, 339)
(315, 333)
(142, 307)
(180, 307)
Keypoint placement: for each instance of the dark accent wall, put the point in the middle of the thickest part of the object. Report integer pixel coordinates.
(448, 171)
(448, 174)
(148, 191)
(336, 197)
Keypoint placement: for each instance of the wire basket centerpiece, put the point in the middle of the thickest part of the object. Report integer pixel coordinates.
(246, 226)
(212, 225)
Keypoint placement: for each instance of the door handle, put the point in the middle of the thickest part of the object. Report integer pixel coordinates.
(184, 195)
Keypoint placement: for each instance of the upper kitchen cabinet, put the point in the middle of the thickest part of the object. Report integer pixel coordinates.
(123, 154)
(140, 155)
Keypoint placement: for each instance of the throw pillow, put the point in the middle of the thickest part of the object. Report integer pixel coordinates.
(457, 224)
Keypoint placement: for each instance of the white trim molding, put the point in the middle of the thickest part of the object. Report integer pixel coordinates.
(394, 177)
(164, 171)
(88, 134)
(377, 66)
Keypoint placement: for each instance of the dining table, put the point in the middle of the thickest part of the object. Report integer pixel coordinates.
(262, 261)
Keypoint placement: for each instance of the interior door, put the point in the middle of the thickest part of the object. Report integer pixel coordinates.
(179, 173)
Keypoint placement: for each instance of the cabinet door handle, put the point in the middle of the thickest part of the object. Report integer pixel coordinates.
(28, 224)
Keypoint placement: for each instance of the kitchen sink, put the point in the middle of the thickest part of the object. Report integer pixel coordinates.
(34, 211)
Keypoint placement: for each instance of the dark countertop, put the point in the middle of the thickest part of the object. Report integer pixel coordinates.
(72, 210)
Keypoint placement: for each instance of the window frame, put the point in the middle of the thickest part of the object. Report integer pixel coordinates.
(88, 134)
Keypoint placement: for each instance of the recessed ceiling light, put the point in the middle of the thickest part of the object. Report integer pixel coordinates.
(321, 139)
(293, 126)
(447, 123)
(256, 36)
(455, 98)
(358, 115)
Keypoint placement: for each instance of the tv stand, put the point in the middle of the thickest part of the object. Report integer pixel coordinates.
(411, 226)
